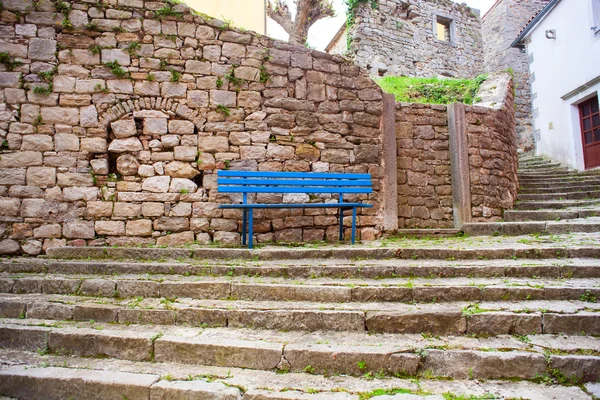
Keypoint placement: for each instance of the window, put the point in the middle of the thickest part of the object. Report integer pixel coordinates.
(596, 16)
(443, 29)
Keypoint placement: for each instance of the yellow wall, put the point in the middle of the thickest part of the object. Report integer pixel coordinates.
(247, 14)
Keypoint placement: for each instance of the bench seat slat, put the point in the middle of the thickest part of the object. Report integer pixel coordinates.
(293, 205)
(297, 182)
(307, 175)
(292, 189)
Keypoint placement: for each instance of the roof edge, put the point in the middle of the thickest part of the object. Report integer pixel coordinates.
(534, 22)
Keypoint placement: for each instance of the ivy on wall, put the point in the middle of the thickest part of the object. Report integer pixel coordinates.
(352, 5)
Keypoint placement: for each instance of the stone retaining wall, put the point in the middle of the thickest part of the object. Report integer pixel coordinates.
(115, 117)
(424, 174)
(492, 147)
(121, 113)
(425, 164)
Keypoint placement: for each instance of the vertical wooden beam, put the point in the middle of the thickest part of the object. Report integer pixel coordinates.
(390, 164)
(459, 161)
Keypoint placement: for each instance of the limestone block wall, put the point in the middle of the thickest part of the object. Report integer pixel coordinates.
(492, 148)
(424, 174)
(116, 115)
(500, 26)
(398, 38)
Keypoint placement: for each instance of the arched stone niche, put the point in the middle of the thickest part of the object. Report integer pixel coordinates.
(152, 148)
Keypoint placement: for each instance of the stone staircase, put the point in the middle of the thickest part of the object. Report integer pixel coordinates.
(487, 317)
(552, 200)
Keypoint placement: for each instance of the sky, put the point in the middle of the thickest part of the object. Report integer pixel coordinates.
(324, 30)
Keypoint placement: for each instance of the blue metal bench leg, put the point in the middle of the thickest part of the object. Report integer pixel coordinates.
(353, 224)
(250, 233)
(341, 224)
(244, 225)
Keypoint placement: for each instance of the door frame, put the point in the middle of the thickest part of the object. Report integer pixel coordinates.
(592, 96)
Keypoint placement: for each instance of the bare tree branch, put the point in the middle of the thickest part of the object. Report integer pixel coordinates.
(307, 13)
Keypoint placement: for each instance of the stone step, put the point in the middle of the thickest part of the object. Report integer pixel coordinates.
(502, 357)
(591, 225)
(548, 215)
(177, 381)
(566, 195)
(554, 204)
(543, 170)
(427, 232)
(395, 289)
(583, 187)
(452, 250)
(583, 183)
(361, 269)
(568, 174)
(441, 318)
(539, 163)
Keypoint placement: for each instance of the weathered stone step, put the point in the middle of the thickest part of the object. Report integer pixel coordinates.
(364, 269)
(584, 183)
(411, 290)
(543, 170)
(427, 232)
(562, 189)
(537, 227)
(475, 252)
(548, 215)
(356, 354)
(543, 175)
(538, 164)
(177, 381)
(573, 195)
(448, 318)
(554, 204)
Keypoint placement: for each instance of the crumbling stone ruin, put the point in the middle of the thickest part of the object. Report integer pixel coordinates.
(417, 38)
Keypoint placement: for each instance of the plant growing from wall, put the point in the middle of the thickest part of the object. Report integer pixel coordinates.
(116, 69)
(47, 78)
(351, 7)
(168, 11)
(133, 48)
(175, 75)
(223, 110)
(95, 49)
(9, 63)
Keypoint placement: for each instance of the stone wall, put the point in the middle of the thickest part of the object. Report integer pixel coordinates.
(426, 198)
(398, 38)
(121, 112)
(424, 174)
(492, 148)
(501, 25)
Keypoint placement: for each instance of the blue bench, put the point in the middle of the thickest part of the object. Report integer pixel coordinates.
(293, 182)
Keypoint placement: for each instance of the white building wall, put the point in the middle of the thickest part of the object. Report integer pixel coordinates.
(560, 66)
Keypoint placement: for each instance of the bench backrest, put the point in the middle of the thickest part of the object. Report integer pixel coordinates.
(293, 182)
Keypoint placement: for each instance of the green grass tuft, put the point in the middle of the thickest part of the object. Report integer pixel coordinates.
(432, 90)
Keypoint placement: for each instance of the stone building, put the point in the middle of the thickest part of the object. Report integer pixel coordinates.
(414, 38)
(501, 25)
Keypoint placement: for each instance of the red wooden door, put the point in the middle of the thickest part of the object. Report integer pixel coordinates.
(590, 132)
